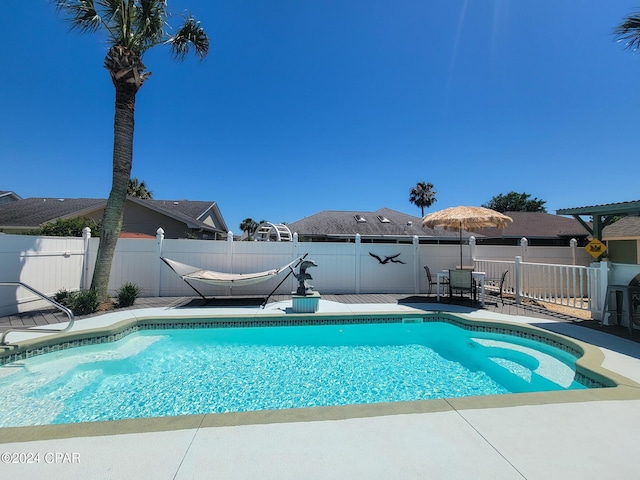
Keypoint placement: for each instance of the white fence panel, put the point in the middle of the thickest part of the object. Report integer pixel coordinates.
(437, 258)
(47, 264)
(557, 255)
(386, 274)
(336, 270)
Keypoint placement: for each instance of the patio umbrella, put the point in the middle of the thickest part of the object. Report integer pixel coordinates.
(465, 218)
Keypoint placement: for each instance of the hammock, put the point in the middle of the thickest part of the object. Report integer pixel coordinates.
(187, 272)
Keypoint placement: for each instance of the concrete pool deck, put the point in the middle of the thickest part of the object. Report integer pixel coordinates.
(543, 436)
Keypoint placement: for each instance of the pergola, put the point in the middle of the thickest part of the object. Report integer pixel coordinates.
(602, 215)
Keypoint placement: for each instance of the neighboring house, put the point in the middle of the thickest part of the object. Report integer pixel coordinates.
(7, 197)
(623, 240)
(540, 229)
(384, 225)
(178, 219)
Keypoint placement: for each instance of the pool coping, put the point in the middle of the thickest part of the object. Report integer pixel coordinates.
(617, 387)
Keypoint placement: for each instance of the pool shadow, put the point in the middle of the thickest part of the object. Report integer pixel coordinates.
(463, 302)
(224, 302)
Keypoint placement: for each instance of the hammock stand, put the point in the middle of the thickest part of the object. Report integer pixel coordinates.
(188, 272)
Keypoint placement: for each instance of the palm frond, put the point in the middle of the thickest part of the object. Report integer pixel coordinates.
(629, 31)
(136, 25)
(149, 22)
(81, 15)
(190, 36)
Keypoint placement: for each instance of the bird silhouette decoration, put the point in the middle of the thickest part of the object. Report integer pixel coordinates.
(386, 260)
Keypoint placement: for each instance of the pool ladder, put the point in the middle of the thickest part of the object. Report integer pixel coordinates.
(62, 308)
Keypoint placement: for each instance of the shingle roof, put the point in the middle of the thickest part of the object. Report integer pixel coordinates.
(536, 225)
(190, 208)
(34, 212)
(340, 223)
(189, 211)
(626, 227)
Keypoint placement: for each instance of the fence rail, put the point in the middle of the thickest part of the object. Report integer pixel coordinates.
(568, 285)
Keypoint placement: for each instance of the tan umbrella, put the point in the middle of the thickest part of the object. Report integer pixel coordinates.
(465, 218)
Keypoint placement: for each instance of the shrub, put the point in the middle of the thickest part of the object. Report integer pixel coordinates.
(62, 296)
(83, 303)
(127, 294)
(71, 227)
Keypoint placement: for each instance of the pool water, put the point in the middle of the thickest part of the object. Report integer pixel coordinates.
(195, 371)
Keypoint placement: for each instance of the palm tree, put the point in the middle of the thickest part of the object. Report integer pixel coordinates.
(423, 195)
(132, 27)
(139, 190)
(249, 225)
(629, 31)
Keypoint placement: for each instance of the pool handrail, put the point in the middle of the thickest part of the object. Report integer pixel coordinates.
(60, 307)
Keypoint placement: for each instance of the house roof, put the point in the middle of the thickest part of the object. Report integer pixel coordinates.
(192, 212)
(6, 193)
(627, 228)
(340, 223)
(536, 225)
(35, 212)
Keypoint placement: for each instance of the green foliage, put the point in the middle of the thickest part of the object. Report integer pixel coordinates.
(423, 195)
(127, 294)
(136, 25)
(62, 296)
(629, 32)
(515, 202)
(250, 226)
(80, 303)
(138, 189)
(70, 227)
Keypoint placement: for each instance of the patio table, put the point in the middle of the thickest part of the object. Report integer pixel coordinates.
(477, 276)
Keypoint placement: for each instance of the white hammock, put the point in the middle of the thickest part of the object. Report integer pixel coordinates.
(188, 272)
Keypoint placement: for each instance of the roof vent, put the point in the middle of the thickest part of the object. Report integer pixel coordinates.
(409, 223)
(176, 203)
(360, 218)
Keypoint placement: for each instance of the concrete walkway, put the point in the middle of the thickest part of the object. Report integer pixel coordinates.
(442, 439)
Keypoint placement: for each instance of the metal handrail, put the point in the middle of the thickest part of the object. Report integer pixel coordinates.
(39, 330)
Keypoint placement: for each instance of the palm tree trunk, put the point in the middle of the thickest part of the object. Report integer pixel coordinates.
(122, 161)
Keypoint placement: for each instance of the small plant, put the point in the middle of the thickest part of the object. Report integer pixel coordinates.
(62, 296)
(83, 303)
(127, 294)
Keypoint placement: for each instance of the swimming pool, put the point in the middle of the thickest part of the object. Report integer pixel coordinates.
(154, 371)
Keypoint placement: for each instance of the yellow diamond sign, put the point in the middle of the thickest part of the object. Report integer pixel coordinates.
(595, 248)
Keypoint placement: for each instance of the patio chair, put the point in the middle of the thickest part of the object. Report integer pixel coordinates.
(461, 281)
(503, 277)
(443, 282)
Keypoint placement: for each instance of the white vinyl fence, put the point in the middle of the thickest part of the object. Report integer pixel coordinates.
(50, 264)
(569, 285)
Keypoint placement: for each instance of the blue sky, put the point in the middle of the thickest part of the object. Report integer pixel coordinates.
(310, 105)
